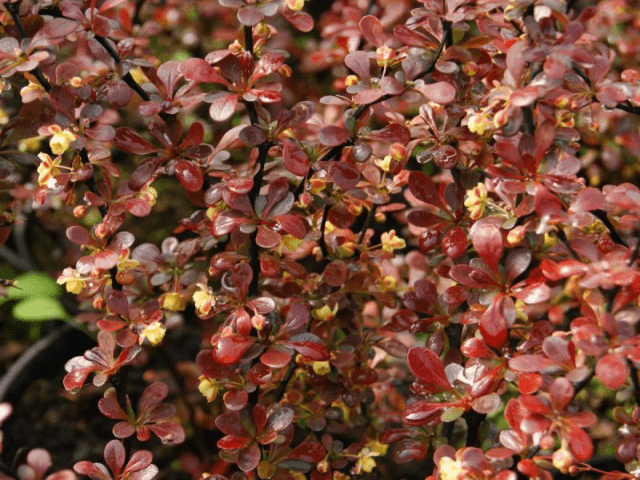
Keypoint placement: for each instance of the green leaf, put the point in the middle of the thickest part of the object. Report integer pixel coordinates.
(34, 284)
(39, 309)
(451, 414)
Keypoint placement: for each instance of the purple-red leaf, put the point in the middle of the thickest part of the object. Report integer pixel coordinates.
(428, 368)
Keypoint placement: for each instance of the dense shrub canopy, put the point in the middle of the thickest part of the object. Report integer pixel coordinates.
(403, 235)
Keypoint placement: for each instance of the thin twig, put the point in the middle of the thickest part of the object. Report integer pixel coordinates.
(127, 78)
(14, 10)
(367, 223)
(446, 29)
(136, 12)
(628, 108)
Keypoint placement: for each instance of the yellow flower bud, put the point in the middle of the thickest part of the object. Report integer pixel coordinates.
(391, 242)
(208, 387)
(295, 4)
(476, 201)
(72, 281)
(61, 139)
(478, 124)
(449, 469)
(351, 80)
(325, 313)
(174, 302)
(321, 368)
(384, 164)
(203, 300)
(154, 332)
(48, 168)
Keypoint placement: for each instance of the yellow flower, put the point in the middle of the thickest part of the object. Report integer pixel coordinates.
(289, 242)
(29, 144)
(478, 124)
(72, 280)
(351, 80)
(388, 283)
(384, 164)
(365, 462)
(385, 56)
(391, 242)
(321, 368)
(208, 387)
(61, 139)
(174, 302)
(148, 194)
(476, 201)
(295, 4)
(48, 168)
(325, 313)
(154, 332)
(449, 469)
(33, 91)
(203, 300)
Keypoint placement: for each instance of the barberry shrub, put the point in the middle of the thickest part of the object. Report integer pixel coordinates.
(403, 235)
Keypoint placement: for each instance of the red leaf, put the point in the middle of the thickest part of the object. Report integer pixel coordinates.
(119, 94)
(372, 30)
(231, 349)
(612, 371)
(561, 391)
(292, 224)
(345, 175)
(58, 27)
(439, 92)
(487, 240)
(309, 451)
(231, 441)
(199, 71)
(392, 133)
(267, 238)
(335, 273)
(268, 63)
(580, 445)
(294, 158)
(114, 455)
(153, 394)
(249, 16)
(358, 61)
(276, 357)
(424, 413)
(252, 136)
(249, 457)
(310, 346)
(223, 104)
(194, 136)
(527, 363)
(189, 174)
(454, 243)
(427, 367)
(332, 136)
(168, 432)
(587, 199)
(476, 348)
(493, 324)
(524, 97)
(235, 400)
(529, 383)
(102, 133)
(79, 235)
(300, 20)
(128, 140)
(423, 188)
